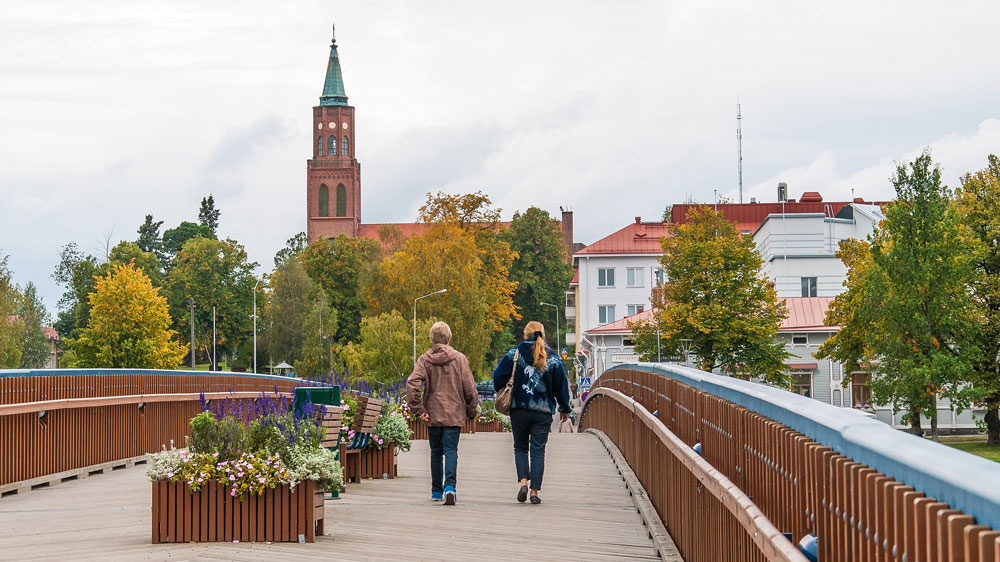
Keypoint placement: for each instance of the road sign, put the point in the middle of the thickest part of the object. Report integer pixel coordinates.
(584, 382)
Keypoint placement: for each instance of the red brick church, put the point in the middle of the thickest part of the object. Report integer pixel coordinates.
(333, 184)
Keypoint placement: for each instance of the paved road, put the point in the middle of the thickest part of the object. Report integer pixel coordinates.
(586, 514)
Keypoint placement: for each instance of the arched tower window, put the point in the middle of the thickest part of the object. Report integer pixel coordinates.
(331, 146)
(341, 201)
(319, 146)
(324, 201)
(343, 146)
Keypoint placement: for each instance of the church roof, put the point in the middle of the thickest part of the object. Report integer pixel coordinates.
(333, 88)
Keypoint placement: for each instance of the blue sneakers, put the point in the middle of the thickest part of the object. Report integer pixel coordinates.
(449, 495)
(437, 496)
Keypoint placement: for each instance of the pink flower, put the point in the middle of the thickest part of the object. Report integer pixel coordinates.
(170, 475)
(231, 478)
(233, 493)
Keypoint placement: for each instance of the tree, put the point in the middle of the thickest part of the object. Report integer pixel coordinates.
(287, 310)
(11, 326)
(914, 323)
(318, 331)
(540, 270)
(130, 252)
(35, 350)
(293, 247)
(214, 273)
(149, 236)
(175, 238)
(470, 210)
(713, 295)
(978, 203)
(76, 272)
(341, 266)
(208, 215)
(385, 352)
(129, 325)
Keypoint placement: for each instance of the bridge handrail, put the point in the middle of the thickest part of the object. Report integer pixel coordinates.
(759, 528)
(96, 401)
(965, 482)
(13, 373)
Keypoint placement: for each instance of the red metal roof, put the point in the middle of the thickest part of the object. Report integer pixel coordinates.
(621, 326)
(576, 277)
(50, 332)
(636, 238)
(753, 214)
(806, 314)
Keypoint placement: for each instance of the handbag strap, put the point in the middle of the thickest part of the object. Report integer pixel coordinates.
(513, 369)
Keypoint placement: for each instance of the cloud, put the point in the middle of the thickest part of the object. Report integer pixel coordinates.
(225, 170)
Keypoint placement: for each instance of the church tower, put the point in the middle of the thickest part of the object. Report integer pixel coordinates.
(333, 190)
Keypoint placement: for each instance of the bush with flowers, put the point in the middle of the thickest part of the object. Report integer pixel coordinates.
(251, 447)
(392, 428)
(487, 412)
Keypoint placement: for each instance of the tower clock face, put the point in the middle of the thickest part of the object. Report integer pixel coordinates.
(319, 125)
(345, 124)
(333, 125)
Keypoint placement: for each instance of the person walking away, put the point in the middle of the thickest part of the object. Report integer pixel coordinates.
(539, 386)
(449, 398)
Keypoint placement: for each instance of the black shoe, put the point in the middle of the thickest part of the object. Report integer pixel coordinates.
(535, 500)
(522, 494)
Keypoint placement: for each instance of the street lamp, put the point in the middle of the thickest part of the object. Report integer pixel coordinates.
(557, 323)
(686, 348)
(255, 326)
(415, 320)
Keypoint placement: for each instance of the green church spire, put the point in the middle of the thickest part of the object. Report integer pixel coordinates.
(333, 88)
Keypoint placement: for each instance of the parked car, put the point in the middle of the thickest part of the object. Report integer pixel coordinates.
(485, 387)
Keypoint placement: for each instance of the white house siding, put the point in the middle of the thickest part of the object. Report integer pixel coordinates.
(591, 296)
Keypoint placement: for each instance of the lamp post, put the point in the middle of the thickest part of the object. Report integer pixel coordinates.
(255, 326)
(686, 347)
(558, 347)
(415, 320)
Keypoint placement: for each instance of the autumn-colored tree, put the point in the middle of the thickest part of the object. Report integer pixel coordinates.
(713, 296)
(11, 326)
(385, 352)
(213, 273)
(909, 312)
(541, 270)
(978, 202)
(341, 266)
(467, 211)
(129, 325)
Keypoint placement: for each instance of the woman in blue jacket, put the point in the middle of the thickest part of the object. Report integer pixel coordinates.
(539, 385)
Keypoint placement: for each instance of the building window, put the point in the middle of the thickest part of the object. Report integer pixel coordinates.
(605, 314)
(324, 201)
(634, 309)
(808, 286)
(860, 393)
(343, 146)
(606, 277)
(800, 340)
(331, 146)
(633, 277)
(802, 383)
(319, 146)
(837, 399)
(341, 201)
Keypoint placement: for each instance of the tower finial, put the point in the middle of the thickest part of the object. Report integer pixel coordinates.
(333, 32)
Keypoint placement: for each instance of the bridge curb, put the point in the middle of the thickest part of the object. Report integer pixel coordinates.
(654, 525)
(50, 480)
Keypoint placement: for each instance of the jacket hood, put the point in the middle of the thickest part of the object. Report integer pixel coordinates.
(441, 354)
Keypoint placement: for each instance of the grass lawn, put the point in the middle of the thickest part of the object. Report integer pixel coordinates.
(976, 447)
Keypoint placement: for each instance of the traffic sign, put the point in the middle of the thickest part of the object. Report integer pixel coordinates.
(584, 382)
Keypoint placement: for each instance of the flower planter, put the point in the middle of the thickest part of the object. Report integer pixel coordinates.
(377, 463)
(419, 429)
(491, 426)
(280, 514)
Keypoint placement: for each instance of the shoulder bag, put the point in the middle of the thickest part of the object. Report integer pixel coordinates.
(503, 395)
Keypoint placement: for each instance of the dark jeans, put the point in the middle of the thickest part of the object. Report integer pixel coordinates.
(444, 442)
(531, 433)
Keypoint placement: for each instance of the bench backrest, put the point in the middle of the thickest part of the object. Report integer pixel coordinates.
(333, 421)
(369, 410)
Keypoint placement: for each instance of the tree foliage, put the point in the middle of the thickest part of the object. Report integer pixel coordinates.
(11, 326)
(32, 314)
(293, 247)
(714, 296)
(913, 319)
(129, 325)
(208, 215)
(467, 211)
(978, 203)
(149, 236)
(287, 309)
(341, 266)
(385, 352)
(175, 238)
(540, 270)
(317, 337)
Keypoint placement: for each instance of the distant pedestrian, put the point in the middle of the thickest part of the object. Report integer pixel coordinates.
(449, 399)
(539, 386)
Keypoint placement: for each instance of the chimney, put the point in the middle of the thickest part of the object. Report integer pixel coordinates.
(638, 220)
(567, 232)
(782, 191)
(753, 200)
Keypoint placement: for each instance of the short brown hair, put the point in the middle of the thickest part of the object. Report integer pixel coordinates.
(440, 333)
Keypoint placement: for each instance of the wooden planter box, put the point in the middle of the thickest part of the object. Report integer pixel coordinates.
(280, 514)
(419, 430)
(493, 426)
(374, 463)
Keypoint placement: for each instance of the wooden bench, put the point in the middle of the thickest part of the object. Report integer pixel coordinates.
(363, 424)
(332, 422)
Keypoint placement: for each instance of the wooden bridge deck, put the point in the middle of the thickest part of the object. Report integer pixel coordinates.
(586, 514)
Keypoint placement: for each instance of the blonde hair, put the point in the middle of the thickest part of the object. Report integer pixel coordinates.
(530, 332)
(440, 333)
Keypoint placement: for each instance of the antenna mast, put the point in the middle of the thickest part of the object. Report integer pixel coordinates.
(739, 147)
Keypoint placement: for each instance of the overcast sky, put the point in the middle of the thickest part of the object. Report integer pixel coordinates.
(110, 110)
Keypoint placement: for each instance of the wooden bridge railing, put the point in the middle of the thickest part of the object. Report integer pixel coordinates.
(867, 491)
(57, 421)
